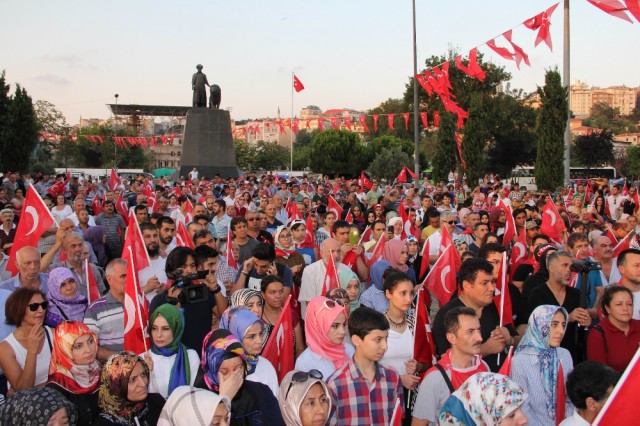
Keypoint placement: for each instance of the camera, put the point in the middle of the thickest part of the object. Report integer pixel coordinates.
(191, 293)
(585, 266)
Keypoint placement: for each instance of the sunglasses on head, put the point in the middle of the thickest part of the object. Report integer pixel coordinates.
(328, 304)
(301, 377)
(34, 306)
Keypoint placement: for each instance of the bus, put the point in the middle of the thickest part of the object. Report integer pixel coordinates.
(525, 176)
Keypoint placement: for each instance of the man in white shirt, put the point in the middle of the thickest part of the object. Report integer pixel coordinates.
(448, 220)
(629, 268)
(153, 279)
(79, 205)
(588, 387)
(614, 202)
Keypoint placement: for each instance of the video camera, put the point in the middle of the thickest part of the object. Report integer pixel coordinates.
(585, 266)
(191, 293)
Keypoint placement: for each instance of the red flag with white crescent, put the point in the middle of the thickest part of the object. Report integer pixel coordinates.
(231, 259)
(424, 349)
(122, 209)
(377, 251)
(334, 207)
(188, 212)
(279, 347)
(96, 205)
(552, 224)
(510, 230)
(624, 244)
(505, 370)
(441, 280)
(35, 220)
(182, 236)
(519, 253)
(297, 84)
(331, 276)
(621, 405)
(136, 309)
(364, 181)
(502, 300)
(114, 180)
(93, 293)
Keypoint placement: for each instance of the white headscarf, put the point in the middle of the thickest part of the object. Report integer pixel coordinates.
(189, 406)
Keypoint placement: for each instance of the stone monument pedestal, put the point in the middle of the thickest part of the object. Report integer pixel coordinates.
(208, 144)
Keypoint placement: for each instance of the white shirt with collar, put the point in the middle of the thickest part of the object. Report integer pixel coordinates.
(575, 420)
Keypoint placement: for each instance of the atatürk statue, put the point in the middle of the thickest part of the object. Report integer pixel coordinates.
(198, 83)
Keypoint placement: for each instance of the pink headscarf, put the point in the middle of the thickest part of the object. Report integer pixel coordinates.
(391, 253)
(318, 322)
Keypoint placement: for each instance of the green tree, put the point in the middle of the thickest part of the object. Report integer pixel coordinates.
(51, 120)
(337, 151)
(594, 149)
(24, 131)
(474, 141)
(445, 157)
(244, 154)
(387, 141)
(551, 124)
(633, 161)
(389, 162)
(390, 106)
(606, 117)
(304, 138)
(5, 130)
(301, 158)
(271, 156)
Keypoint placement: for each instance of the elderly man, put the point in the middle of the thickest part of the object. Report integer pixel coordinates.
(603, 253)
(7, 229)
(73, 245)
(447, 221)
(78, 205)
(28, 262)
(313, 275)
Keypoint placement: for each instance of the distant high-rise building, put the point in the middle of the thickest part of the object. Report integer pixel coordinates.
(583, 98)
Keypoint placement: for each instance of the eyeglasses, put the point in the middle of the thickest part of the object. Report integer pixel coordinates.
(34, 306)
(284, 236)
(450, 222)
(301, 377)
(253, 219)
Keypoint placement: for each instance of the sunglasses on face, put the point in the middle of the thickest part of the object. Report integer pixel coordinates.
(301, 377)
(34, 306)
(450, 222)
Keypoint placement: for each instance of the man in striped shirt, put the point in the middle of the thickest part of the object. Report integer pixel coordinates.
(105, 316)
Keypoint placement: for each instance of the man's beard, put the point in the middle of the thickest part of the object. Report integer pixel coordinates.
(153, 252)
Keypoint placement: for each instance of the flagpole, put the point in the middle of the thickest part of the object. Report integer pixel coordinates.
(291, 125)
(566, 73)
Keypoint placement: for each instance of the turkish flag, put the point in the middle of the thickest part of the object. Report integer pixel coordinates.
(377, 251)
(279, 347)
(623, 244)
(552, 223)
(405, 115)
(334, 207)
(114, 180)
(436, 118)
(621, 405)
(542, 22)
(182, 236)
(396, 418)
(561, 396)
(610, 234)
(519, 253)
(364, 181)
(133, 239)
(423, 118)
(505, 370)
(330, 276)
(441, 280)
(96, 205)
(292, 210)
(503, 299)
(93, 293)
(136, 309)
(424, 349)
(402, 176)
(188, 212)
(375, 122)
(390, 120)
(34, 221)
(58, 188)
(297, 84)
(349, 216)
(613, 8)
(424, 264)
(633, 7)
(363, 122)
(122, 209)
(510, 230)
(309, 237)
(150, 193)
(231, 260)
(366, 235)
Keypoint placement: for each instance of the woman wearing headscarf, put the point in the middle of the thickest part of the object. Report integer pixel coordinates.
(223, 369)
(248, 329)
(541, 366)
(170, 362)
(373, 297)
(248, 298)
(485, 399)
(65, 301)
(396, 252)
(189, 406)
(95, 236)
(74, 370)
(287, 254)
(351, 283)
(38, 406)
(326, 328)
(123, 398)
(304, 399)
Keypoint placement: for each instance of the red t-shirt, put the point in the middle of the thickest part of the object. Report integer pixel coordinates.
(614, 349)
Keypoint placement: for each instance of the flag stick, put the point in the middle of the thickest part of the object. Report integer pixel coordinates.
(291, 124)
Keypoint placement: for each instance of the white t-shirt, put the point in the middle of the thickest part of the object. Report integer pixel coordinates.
(309, 360)
(161, 373)
(399, 350)
(265, 374)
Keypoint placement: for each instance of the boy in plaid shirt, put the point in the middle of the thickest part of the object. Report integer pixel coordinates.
(363, 391)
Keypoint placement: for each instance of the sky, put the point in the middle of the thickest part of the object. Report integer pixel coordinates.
(348, 53)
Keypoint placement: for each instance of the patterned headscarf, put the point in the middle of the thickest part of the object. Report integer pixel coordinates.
(77, 379)
(35, 406)
(536, 342)
(345, 276)
(282, 251)
(485, 399)
(238, 320)
(321, 314)
(219, 345)
(242, 296)
(180, 372)
(292, 395)
(114, 388)
(73, 307)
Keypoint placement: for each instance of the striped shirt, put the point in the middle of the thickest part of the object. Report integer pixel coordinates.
(361, 402)
(112, 226)
(105, 317)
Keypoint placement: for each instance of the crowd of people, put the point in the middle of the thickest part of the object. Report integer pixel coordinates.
(262, 239)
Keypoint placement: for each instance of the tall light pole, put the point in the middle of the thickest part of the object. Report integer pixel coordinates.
(416, 126)
(566, 73)
(115, 145)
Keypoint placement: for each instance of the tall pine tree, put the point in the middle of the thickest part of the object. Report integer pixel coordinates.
(474, 141)
(550, 127)
(24, 132)
(444, 159)
(5, 113)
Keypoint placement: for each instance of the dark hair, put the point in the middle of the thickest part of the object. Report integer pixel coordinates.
(484, 251)
(607, 297)
(139, 207)
(236, 220)
(177, 258)
(516, 212)
(622, 257)
(590, 379)
(375, 222)
(432, 212)
(540, 237)
(163, 220)
(487, 235)
(264, 251)
(340, 224)
(470, 267)
(148, 226)
(16, 305)
(200, 217)
(451, 322)
(269, 279)
(467, 254)
(576, 224)
(156, 216)
(297, 225)
(221, 203)
(575, 237)
(201, 233)
(392, 280)
(364, 320)
(106, 202)
(202, 253)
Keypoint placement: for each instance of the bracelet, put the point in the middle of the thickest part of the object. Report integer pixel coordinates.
(245, 273)
(217, 290)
